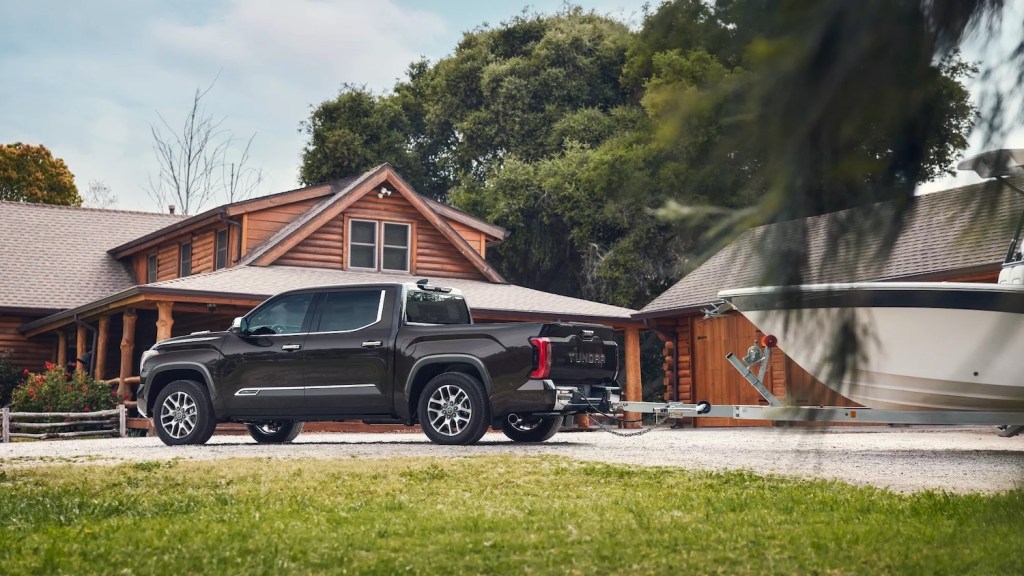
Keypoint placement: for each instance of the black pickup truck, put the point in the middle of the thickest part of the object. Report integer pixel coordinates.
(394, 353)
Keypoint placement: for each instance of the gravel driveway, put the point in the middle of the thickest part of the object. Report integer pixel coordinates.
(901, 459)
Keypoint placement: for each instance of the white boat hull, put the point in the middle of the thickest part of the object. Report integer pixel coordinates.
(962, 349)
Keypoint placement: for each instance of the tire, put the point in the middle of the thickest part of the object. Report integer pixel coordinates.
(275, 432)
(537, 431)
(453, 409)
(183, 414)
(1008, 430)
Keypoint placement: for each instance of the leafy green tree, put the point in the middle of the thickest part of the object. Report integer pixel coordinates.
(31, 174)
(616, 158)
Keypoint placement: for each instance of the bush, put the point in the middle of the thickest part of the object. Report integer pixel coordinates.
(9, 378)
(55, 391)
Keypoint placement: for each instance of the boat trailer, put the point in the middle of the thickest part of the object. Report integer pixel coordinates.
(758, 357)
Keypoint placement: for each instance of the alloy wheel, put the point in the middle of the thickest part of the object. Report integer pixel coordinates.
(449, 409)
(178, 414)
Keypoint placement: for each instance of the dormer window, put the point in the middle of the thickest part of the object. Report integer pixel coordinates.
(221, 254)
(378, 246)
(151, 267)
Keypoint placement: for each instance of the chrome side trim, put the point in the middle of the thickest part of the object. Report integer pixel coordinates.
(339, 386)
(256, 391)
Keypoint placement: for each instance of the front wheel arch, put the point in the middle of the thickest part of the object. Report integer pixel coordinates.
(184, 414)
(164, 375)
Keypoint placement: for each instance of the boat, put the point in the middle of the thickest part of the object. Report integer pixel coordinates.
(922, 345)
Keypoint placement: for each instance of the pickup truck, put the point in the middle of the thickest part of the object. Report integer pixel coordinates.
(389, 353)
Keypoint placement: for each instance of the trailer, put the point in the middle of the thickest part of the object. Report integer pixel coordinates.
(753, 367)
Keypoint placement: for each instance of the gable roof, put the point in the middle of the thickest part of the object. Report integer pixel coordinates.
(188, 223)
(300, 228)
(961, 230)
(55, 257)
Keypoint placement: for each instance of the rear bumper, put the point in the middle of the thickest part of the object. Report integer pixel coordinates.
(588, 398)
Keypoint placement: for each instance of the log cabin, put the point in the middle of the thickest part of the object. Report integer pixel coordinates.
(956, 235)
(115, 282)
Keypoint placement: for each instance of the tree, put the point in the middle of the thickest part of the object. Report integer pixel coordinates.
(579, 136)
(31, 174)
(98, 195)
(193, 161)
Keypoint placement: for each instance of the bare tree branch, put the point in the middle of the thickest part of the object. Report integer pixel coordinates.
(193, 162)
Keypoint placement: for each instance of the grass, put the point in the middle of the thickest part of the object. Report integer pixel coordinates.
(494, 515)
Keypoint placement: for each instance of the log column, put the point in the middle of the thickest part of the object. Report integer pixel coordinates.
(165, 320)
(127, 352)
(100, 353)
(80, 341)
(62, 348)
(633, 391)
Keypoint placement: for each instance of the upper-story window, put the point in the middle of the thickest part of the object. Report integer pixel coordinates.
(375, 245)
(151, 265)
(185, 259)
(221, 255)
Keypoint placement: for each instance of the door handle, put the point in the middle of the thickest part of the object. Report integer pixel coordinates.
(291, 347)
(372, 344)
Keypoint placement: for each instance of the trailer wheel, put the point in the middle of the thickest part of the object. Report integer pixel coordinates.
(1008, 430)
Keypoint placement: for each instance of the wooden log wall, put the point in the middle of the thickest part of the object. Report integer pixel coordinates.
(25, 353)
(263, 224)
(474, 238)
(432, 253)
(321, 249)
(203, 247)
(683, 364)
(167, 262)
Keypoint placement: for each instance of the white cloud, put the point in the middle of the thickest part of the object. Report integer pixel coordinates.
(88, 81)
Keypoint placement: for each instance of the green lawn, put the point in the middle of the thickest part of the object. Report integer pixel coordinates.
(493, 515)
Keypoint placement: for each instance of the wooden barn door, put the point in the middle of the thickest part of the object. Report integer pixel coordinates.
(715, 380)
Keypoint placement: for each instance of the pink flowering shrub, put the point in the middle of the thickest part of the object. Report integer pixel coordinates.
(54, 391)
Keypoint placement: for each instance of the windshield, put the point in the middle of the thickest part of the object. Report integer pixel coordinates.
(424, 307)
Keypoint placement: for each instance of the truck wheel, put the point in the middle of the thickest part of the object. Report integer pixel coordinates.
(521, 430)
(276, 432)
(453, 409)
(184, 414)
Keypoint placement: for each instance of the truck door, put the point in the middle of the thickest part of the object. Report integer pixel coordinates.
(264, 367)
(347, 354)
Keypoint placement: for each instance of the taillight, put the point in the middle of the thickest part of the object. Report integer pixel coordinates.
(541, 357)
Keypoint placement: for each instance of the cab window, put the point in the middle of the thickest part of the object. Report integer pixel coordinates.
(350, 310)
(283, 316)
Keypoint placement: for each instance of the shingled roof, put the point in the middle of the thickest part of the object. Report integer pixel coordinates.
(55, 257)
(482, 296)
(960, 230)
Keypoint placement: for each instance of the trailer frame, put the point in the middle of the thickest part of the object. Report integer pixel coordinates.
(758, 357)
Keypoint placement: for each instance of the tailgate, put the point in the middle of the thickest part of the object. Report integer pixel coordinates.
(581, 352)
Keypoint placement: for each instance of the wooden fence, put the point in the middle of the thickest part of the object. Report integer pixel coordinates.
(101, 423)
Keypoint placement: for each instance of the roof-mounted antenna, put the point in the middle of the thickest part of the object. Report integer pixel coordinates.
(422, 282)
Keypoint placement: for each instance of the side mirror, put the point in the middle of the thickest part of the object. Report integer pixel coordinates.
(239, 326)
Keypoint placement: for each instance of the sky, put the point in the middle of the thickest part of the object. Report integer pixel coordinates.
(89, 79)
